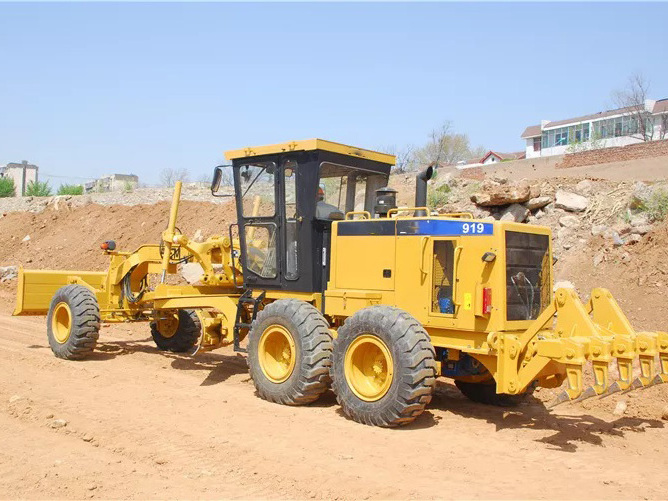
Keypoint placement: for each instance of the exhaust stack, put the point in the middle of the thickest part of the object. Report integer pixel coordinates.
(421, 190)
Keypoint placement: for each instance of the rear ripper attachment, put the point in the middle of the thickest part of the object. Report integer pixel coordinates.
(598, 332)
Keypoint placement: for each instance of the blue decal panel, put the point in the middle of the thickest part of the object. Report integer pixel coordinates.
(407, 227)
(444, 228)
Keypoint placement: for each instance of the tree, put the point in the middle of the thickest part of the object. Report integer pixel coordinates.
(403, 156)
(445, 147)
(7, 188)
(170, 176)
(38, 189)
(632, 98)
(663, 132)
(70, 189)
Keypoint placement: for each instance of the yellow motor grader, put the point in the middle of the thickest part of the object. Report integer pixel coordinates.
(325, 281)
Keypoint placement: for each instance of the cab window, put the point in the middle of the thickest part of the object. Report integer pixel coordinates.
(257, 182)
(291, 224)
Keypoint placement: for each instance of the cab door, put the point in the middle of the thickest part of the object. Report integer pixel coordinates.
(259, 215)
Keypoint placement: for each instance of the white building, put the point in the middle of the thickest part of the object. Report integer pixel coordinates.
(492, 157)
(604, 129)
(113, 182)
(22, 174)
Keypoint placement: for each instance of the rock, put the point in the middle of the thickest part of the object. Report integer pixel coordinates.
(633, 238)
(539, 214)
(599, 258)
(26, 238)
(642, 230)
(571, 202)
(638, 220)
(501, 194)
(538, 202)
(58, 423)
(620, 408)
(516, 213)
(192, 272)
(622, 228)
(61, 202)
(616, 239)
(563, 284)
(500, 179)
(198, 237)
(664, 413)
(564, 233)
(8, 273)
(640, 195)
(626, 257)
(598, 229)
(585, 187)
(569, 221)
(14, 398)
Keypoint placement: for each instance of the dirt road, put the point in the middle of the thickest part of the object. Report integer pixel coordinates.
(142, 424)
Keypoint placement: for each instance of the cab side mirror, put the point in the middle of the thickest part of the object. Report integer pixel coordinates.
(217, 180)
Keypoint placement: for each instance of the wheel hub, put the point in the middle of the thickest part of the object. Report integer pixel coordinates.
(168, 324)
(369, 367)
(277, 353)
(61, 323)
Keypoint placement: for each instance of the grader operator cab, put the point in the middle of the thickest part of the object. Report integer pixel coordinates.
(324, 281)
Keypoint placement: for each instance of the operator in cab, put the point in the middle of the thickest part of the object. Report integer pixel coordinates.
(324, 210)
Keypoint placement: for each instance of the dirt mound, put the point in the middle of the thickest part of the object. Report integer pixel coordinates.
(637, 275)
(70, 239)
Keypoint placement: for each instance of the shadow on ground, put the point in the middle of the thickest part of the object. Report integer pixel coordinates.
(215, 367)
(569, 430)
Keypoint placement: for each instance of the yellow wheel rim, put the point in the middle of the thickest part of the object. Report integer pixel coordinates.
(168, 325)
(277, 353)
(61, 322)
(369, 367)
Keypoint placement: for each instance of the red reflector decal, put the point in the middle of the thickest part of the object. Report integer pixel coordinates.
(487, 300)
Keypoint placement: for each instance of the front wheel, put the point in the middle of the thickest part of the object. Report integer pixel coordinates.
(176, 331)
(73, 322)
(384, 368)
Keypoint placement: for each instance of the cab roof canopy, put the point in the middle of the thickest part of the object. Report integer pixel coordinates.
(311, 145)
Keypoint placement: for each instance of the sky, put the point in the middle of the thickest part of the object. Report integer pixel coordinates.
(88, 89)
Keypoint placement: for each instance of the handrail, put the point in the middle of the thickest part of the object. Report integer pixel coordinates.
(455, 275)
(358, 213)
(396, 210)
(459, 215)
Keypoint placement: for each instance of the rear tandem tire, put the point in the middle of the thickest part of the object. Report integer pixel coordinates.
(73, 322)
(384, 369)
(184, 337)
(290, 352)
(485, 393)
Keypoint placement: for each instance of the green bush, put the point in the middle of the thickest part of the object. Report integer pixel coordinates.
(437, 197)
(656, 206)
(7, 188)
(38, 189)
(128, 187)
(70, 189)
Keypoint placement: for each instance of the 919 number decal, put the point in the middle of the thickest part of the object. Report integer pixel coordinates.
(473, 228)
